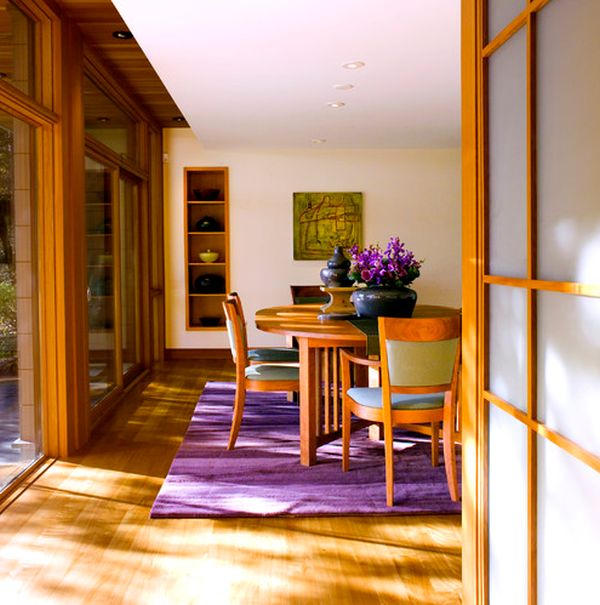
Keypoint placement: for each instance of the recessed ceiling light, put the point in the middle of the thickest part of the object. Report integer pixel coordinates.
(343, 86)
(103, 119)
(318, 141)
(336, 104)
(353, 65)
(178, 119)
(122, 34)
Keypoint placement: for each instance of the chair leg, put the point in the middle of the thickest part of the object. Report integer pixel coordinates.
(435, 443)
(346, 420)
(388, 438)
(450, 456)
(238, 412)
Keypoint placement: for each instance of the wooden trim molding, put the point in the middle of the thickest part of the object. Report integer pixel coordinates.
(473, 573)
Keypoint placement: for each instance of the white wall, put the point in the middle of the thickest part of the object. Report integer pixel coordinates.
(414, 194)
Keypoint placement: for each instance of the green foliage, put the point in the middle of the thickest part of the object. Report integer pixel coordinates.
(8, 304)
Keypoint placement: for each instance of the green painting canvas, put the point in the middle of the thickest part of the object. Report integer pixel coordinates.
(325, 220)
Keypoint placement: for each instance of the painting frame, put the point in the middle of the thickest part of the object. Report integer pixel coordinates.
(323, 220)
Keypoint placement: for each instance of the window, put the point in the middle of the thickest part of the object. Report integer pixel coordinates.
(20, 409)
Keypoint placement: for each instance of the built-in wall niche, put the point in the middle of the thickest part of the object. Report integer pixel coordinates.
(206, 202)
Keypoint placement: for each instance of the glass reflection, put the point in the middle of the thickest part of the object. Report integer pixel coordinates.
(16, 48)
(99, 225)
(107, 123)
(20, 427)
(129, 243)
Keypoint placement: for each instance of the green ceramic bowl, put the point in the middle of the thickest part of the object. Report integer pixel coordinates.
(208, 256)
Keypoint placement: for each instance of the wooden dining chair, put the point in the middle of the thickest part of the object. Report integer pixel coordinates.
(419, 380)
(264, 354)
(263, 377)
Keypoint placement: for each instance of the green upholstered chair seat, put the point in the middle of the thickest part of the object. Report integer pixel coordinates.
(371, 397)
(271, 354)
(271, 373)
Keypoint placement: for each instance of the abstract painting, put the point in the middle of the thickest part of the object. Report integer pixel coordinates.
(325, 220)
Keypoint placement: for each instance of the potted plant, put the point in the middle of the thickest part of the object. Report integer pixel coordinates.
(383, 277)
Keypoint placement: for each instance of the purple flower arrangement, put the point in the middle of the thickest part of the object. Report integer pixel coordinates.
(394, 266)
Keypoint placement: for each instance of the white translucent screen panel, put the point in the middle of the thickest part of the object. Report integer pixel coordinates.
(569, 367)
(507, 509)
(500, 13)
(508, 345)
(507, 150)
(568, 528)
(568, 127)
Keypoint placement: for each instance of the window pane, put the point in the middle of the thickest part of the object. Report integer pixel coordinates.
(130, 287)
(507, 515)
(568, 126)
(568, 528)
(99, 225)
(508, 159)
(16, 48)
(568, 362)
(107, 123)
(508, 345)
(500, 13)
(20, 428)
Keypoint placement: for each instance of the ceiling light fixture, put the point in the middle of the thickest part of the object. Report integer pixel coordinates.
(336, 104)
(343, 86)
(122, 34)
(178, 119)
(353, 65)
(103, 119)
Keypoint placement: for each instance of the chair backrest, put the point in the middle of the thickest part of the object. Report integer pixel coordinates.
(308, 294)
(419, 355)
(238, 301)
(236, 332)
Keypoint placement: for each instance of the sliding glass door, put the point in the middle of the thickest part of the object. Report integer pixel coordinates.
(100, 279)
(130, 276)
(113, 274)
(20, 415)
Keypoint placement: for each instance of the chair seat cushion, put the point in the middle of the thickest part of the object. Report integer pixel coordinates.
(271, 354)
(371, 397)
(268, 372)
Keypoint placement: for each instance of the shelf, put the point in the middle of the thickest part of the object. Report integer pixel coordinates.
(220, 294)
(206, 232)
(201, 264)
(206, 197)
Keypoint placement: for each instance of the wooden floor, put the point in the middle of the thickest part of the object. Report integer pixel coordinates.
(81, 533)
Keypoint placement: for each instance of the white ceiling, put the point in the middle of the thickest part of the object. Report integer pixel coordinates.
(259, 73)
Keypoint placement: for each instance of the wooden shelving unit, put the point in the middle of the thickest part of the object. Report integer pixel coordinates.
(206, 220)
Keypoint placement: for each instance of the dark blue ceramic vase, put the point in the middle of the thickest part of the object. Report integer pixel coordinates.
(384, 301)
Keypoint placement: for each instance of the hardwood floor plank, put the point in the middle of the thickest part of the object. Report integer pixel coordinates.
(82, 533)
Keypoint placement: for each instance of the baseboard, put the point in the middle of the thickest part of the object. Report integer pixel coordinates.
(182, 354)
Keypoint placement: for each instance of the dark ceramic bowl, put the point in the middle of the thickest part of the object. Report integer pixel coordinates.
(210, 322)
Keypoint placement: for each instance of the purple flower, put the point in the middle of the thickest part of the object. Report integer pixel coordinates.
(394, 266)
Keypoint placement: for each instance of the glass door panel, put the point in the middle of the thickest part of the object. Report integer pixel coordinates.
(20, 406)
(100, 267)
(130, 275)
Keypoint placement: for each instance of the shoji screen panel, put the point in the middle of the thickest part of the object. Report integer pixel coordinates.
(537, 125)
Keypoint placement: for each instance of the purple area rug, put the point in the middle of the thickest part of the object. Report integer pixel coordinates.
(263, 476)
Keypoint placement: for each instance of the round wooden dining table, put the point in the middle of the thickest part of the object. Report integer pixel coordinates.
(319, 342)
